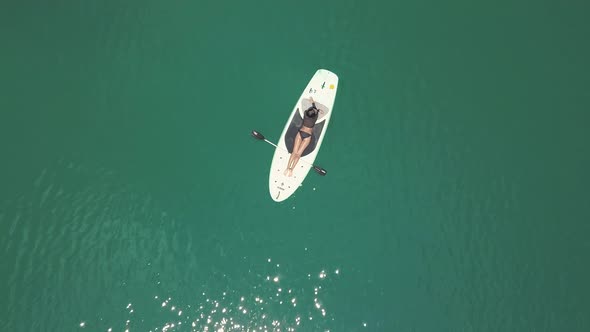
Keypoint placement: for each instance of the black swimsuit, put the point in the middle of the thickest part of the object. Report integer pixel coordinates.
(303, 134)
(309, 120)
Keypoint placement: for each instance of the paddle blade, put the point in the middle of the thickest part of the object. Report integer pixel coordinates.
(320, 170)
(257, 135)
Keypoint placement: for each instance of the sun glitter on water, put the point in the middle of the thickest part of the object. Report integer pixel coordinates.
(271, 303)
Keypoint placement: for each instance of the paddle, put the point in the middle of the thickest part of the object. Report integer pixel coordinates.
(261, 137)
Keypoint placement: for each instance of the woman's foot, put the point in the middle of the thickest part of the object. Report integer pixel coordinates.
(290, 172)
(286, 171)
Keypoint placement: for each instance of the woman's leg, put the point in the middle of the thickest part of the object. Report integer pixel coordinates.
(297, 153)
(292, 157)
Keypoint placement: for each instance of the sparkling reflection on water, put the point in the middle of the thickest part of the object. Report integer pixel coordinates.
(273, 303)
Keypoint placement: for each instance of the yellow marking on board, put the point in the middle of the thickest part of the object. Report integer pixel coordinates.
(332, 86)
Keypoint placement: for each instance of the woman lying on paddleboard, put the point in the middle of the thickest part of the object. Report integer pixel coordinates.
(302, 140)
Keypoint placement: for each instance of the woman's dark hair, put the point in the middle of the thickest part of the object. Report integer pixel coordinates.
(310, 112)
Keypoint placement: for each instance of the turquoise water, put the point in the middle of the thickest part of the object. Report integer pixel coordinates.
(133, 198)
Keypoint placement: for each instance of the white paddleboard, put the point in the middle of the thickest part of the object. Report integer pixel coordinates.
(322, 88)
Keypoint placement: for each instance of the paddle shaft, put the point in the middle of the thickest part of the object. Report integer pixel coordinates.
(271, 143)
